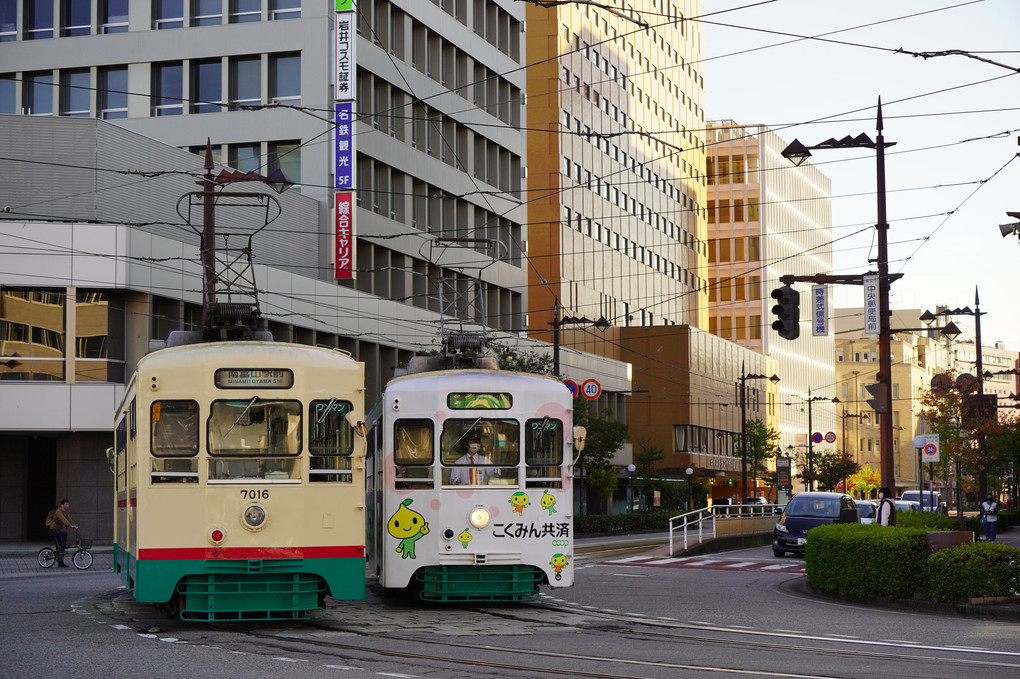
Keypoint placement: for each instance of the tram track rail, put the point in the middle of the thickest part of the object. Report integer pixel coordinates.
(529, 662)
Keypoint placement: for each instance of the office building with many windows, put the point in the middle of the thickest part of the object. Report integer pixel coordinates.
(768, 218)
(440, 225)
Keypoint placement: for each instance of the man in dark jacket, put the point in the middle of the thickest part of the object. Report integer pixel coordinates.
(58, 526)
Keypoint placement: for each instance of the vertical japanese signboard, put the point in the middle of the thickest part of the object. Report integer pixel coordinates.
(344, 235)
(871, 326)
(345, 72)
(345, 38)
(343, 170)
(819, 310)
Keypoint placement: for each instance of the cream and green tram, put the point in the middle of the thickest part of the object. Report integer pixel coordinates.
(471, 479)
(239, 480)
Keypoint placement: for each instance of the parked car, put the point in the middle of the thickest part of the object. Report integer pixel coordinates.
(930, 501)
(907, 506)
(868, 510)
(804, 512)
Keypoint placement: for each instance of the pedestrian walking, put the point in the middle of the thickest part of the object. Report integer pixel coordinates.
(989, 517)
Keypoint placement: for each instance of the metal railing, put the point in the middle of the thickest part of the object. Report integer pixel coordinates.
(708, 522)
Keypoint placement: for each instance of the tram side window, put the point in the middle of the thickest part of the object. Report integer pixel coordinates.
(254, 439)
(330, 441)
(413, 453)
(494, 463)
(174, 441)
(543, 452)
(119, 451)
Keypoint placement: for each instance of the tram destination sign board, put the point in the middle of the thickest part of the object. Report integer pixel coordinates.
(246, 378)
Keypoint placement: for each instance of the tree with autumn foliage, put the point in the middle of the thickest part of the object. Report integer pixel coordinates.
(960, 428)
(863, 483)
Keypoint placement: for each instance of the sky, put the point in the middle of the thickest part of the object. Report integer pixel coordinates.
(954, 171)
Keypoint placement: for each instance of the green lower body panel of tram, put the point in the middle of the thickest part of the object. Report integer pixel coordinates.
(479, 583)
(246, 589)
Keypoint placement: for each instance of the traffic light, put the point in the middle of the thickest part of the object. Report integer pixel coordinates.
(787, 311)
(879, 403)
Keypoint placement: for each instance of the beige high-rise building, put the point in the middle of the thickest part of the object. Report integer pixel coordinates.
(616, 164)
(768, 218)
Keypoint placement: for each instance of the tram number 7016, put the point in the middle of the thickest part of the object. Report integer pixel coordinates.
(261, 494)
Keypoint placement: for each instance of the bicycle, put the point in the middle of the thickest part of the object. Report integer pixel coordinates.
(82, 557)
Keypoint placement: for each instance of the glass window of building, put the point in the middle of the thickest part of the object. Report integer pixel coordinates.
(112, 95)
(245, 157)
(285, 78)
(206, 12)
(76, 93)
(99, 337)
(206, 86)
(75, 19)
(31, 334)
(286, 156)
(168, 14)
(168, 89)
(38, 19)
(114, 16)
(37, 98)
(8, 94)
(217, 155)
(8, 20)
(246, 81)
(285, 9)
(244, 11)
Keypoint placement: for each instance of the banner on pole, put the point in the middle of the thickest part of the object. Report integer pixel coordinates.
(819, 310)
(871, 315)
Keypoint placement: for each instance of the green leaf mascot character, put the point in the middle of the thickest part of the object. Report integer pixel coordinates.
(408, 526)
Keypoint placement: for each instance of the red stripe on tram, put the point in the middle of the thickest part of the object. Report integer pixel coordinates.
(179, 554)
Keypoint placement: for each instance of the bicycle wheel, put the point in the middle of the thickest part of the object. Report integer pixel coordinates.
(47, 557)
(82, 559)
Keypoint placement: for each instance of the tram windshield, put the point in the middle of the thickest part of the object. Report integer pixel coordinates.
(480, 451)
(259, 438)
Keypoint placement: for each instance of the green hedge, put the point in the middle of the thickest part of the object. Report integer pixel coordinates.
(977, 570)
(937, 521)
(866, 561)
(876, 562)
(609, 524)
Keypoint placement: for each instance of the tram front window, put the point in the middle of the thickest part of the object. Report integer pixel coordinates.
(543, 452)
(174, 442)
(413, 456)
(480, 452)
(254, 439)
(331, 442)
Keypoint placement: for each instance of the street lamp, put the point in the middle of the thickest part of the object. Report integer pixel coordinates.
(630, 499)
(797, 153)
(1013, 227)
(928, 317)
(690, 490)
(601, 324)
(810, 441)
(860, 417)
(743, 424)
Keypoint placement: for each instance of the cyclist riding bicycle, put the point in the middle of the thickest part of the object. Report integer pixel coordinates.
(58, 521)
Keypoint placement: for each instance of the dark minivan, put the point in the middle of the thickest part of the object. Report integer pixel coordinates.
(804, 512)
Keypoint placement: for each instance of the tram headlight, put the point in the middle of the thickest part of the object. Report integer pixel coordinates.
(479, 517)
(254, 517)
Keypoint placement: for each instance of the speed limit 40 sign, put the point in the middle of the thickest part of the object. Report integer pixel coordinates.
(591, 389)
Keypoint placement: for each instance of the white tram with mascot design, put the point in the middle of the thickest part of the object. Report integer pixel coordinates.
(470, 474)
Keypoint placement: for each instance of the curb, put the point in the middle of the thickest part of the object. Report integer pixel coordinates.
(998, 608)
